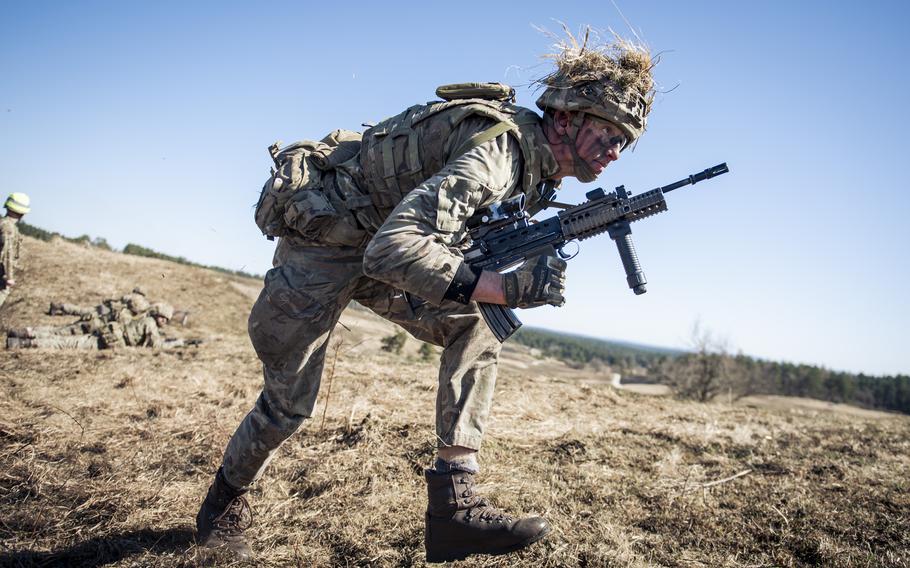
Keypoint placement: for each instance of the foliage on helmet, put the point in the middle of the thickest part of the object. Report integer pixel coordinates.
(136, 303)
(612, 80)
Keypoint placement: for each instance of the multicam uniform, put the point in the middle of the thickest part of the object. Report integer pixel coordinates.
(80, 335)
(411, 190)
(126, 322)
(9, 254)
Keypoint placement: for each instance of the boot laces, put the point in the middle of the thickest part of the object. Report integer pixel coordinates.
(487, 512)
(481, 508)
(236, 518)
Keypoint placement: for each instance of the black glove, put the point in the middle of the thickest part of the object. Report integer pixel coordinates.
(539, 281)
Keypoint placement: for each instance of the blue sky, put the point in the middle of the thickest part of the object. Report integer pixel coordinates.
(148, 122)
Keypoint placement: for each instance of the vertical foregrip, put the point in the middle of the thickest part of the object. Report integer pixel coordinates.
(622, 235)
(634, 275)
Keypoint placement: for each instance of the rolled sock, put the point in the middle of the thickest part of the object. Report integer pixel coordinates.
(466, 464)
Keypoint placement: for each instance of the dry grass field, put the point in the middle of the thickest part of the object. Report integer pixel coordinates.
(105, 456)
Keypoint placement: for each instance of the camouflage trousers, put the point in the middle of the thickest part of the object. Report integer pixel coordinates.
(290, 326)
(58, 342)
(50, 331)
(4, 293)
(74, 310)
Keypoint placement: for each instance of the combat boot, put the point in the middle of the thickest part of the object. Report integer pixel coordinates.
(55, 309)
(223, 517)
(460, 523)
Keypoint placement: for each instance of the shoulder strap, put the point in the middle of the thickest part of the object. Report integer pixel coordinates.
(483, 137)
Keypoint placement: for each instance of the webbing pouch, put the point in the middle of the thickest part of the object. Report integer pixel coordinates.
(488, 91)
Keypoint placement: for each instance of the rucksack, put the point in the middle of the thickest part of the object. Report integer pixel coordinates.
(292, 199)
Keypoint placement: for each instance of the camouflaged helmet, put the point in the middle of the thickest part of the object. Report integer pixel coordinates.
(627, 110)
(137, 303)
(161, 309)
(611, 81)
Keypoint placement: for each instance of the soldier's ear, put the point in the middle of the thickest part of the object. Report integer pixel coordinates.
(562, 121)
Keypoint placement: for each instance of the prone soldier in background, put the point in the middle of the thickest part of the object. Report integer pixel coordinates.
(112, 306)
(137, 324)
(135, 301)
(82, 334)
(17, 205)
(381, 218)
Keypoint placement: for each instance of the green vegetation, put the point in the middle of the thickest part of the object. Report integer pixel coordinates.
(767, 377)
(139, 250)
(706, 372)
(394, 343)
(426, 352)
(578, 351)
(41, 234)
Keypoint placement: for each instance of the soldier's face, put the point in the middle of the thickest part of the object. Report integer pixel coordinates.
(599, 142)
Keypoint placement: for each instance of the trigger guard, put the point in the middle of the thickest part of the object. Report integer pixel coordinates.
(566, 256)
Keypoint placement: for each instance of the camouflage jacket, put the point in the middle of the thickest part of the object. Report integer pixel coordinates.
(416, 247)
(9, 249)
(135, 332)
(412, 190)
(120, 309)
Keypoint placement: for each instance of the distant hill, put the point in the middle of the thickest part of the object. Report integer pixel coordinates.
(130, 248)
(753, 376)
(582, 350)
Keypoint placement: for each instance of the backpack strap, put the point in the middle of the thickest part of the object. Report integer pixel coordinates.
(483, 137)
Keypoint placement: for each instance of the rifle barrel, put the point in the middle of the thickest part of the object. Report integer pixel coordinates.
(695, 178)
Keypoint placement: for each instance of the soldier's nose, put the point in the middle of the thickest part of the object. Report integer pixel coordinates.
(613, 152)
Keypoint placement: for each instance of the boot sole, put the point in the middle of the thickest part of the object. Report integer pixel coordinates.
(462, 553)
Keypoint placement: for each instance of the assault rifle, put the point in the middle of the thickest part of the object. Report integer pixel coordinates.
(503, 236)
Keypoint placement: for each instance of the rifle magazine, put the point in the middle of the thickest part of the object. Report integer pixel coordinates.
(501, 320)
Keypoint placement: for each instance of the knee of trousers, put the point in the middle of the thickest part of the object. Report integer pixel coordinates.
(471, 331)
(281, 328)
(451, 324)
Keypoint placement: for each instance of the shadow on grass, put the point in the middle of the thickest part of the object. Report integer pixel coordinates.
(105, 550)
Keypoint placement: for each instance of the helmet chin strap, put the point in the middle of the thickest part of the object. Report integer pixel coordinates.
(581, 170)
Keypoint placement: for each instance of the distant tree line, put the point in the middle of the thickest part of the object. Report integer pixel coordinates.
(708, 371)
(139, 250)
(768, 377)
(41, 234)
(578, 351)
(134, 249)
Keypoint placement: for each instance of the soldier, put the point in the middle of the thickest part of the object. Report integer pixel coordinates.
(105, 308)
(138, 324)
(381, 223)
(17, 205)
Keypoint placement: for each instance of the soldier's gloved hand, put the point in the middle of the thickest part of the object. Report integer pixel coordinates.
(539, 281)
